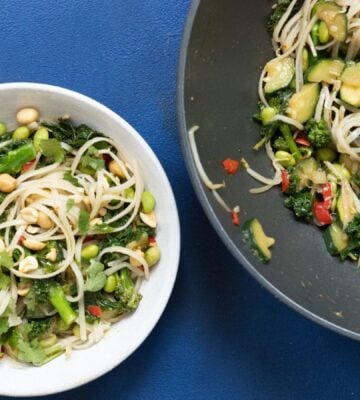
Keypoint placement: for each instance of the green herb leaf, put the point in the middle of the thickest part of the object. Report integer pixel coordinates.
(92, 159)
(51, 148)
(70, 204)
(4, 326)
(4, 280)
(102, 228)
(71, 178)
(6, 260)
(96, 277)
(84, 221)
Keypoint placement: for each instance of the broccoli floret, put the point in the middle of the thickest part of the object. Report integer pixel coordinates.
(353, 232)
(278, 102)
(38, 328)
(28, 342)
(280, 144)
(47, 293)
(301, 203)
(318, 133)
(125, 297)
(126, 292)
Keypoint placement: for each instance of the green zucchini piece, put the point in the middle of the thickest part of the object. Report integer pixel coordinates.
(336, 239)
(351, 75)
(326, 70)
(350, 94)
(334, 18)
(279, 74)
(341, 211)
(256, 238)
(305, 170)
(301, 106)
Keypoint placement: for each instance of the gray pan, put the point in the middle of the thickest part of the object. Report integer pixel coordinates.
(224, 46)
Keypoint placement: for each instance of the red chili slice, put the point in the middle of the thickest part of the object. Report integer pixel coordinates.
(321, 213)
(95, 310)
(284, 180)
(235, 218)
(302, 140)
(231, 166)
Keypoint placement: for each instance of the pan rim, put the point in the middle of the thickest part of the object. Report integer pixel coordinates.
(204, 202)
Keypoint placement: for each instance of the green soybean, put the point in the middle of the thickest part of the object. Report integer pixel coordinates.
(129, 193)
(111, 283)
(147, 202)
(152, 255)
(285, 158)
(21, 133)
(40, 134)
(90, 251)
(267, 114)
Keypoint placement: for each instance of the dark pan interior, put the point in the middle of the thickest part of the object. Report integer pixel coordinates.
(224, 47)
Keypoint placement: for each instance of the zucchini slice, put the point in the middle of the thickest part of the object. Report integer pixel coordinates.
(301, 106)
(351, 75)
(279, 74)
(256, 238)
(325, 71)
(334, 18)
(350, 94)
(305, 170)
(336, 239)
(341, 210)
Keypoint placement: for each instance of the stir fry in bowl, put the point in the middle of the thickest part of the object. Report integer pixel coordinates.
(77, 237)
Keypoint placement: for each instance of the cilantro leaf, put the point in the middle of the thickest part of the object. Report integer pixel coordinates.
(51, 148)
(92, 159)
(4, 326)
(71, 178)
(6, 260)
(70, 204)
(96, 277)
(84, 221)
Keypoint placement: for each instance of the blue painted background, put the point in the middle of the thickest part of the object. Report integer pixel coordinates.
(222, 336)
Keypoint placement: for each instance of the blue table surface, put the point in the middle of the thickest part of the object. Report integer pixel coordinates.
(222, 336)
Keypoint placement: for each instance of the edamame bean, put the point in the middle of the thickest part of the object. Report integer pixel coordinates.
(285, 158)
(111, 283)
(90, 251)
(315, 34)
(324, 35)
(147, 202)
(152, 255)
(40, 134)
(21, 133)
(305, 59)
(3, 129)
(267, 114)
(129, 193)
(326, 154)
(143, 242)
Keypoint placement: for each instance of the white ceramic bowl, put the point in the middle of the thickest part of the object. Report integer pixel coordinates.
(125, 336)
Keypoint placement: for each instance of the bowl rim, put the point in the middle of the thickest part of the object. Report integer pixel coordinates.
(106, 365)
(202, 196)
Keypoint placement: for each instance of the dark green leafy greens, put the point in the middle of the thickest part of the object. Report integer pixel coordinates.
(301, 203)
(318, 133)
(75, 136)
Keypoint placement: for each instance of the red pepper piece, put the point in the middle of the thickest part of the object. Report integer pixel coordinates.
(231, 166)
(327, 195)
(235, 218)
(302, 139)
(95, 310)
(321, 213)
(284, 180)
(27, 166)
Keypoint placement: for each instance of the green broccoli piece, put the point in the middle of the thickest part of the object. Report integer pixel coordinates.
(318, 133)
(61, 304)
(38, 328)
(28, 342)
(126, 292)
(280, 144)
(301, 203)
(353, 232)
